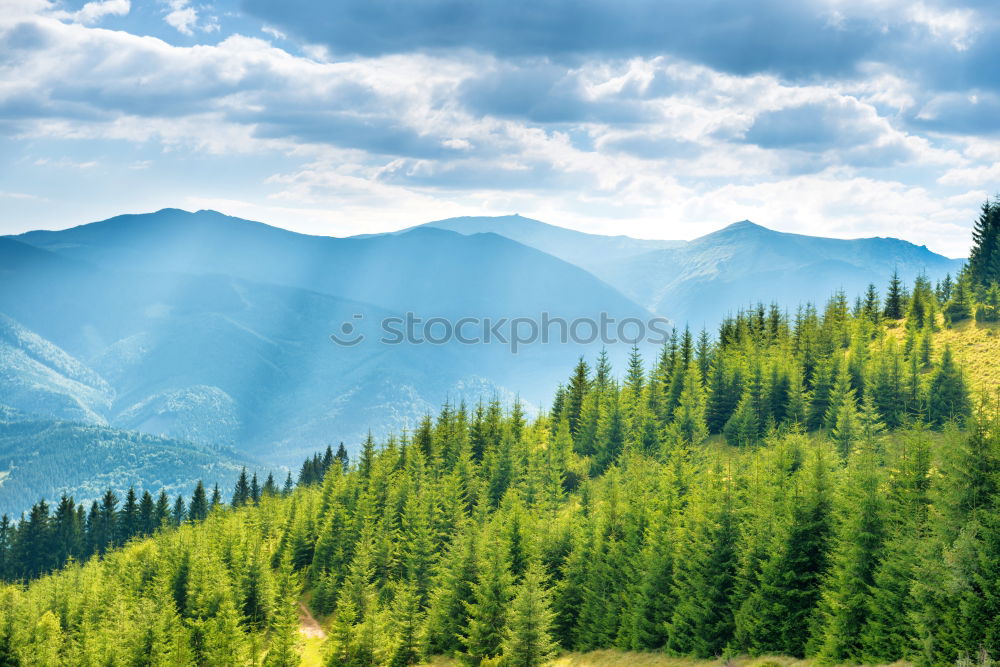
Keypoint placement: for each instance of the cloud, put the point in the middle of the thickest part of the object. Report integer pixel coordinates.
(974, 112)
(819, 36)
(613, 136)
(186, 19)
(93, 12)
(19, 195)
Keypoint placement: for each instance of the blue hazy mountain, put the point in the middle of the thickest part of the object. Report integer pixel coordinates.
(426, 270)
(217, 330)
(700, 281)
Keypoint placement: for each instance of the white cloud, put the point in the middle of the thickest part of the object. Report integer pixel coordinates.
(19, 195)
(94, 11)
(187, 19)
(182, 16)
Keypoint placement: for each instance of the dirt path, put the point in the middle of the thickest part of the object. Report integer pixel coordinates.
(308, 626)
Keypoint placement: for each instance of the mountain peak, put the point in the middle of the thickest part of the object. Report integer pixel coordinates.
(745, 225)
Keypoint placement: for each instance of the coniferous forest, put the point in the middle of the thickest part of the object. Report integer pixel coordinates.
(819, 484)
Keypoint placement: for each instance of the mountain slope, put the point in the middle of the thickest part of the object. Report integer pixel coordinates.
(43, 458)
(37, 376)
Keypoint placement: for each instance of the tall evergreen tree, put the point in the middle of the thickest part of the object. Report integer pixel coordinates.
(984, 258)
(527, 640)
(895, 299)
(241, 492)
(487, 614)
(198, 509)
(948, 396)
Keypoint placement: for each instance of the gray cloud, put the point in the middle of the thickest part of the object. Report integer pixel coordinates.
(792, 39)
(542, 92)
(969, 113)
(813, 126)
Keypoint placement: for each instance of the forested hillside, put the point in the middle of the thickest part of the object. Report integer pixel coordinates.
(49, 457)
(822, 485)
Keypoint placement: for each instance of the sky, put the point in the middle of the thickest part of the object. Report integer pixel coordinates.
(653, 118)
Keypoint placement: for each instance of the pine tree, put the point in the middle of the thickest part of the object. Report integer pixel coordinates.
(241, 492)
(775, 618)
(579, 385)
(198, 509)
(689, 417)
(894, 300)
(948, 396)
(961, 305)
(705, 569)
(527, 641)
(487, 614)
(284, 623)
(406, 620)
(846, 598)
(984, 258)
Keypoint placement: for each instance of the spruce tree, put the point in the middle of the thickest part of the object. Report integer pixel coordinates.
(948, 396)
(487, 614)
(406, 620)
(845, 605)
(701, 624)
(198, 509)
(147, 514)
(579, 385)
(984, 258)
(775, 617)
(241, 492)
(284, 623)
(894, 300)
(527, 641)
(961, 306)
(689, 417)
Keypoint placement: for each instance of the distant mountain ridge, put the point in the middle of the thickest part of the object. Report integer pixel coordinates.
(410, 270)
(699, 281)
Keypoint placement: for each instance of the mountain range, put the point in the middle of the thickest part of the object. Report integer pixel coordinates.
(214, 333)
(699, 281)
